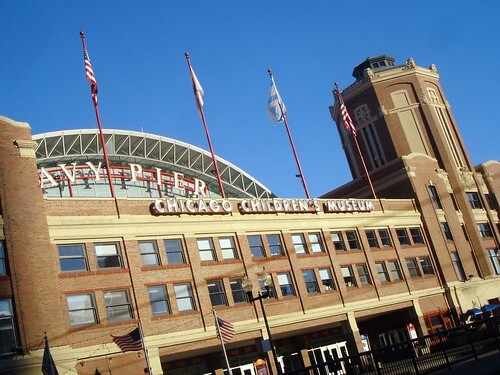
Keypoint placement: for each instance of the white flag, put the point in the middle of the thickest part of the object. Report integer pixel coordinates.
(275, 107)
(198, 90)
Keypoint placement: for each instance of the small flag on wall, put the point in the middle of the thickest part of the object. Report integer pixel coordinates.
(48, 365)
(225, 330)
(130, 342)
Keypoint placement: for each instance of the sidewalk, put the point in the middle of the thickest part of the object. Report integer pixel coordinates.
(486, 364)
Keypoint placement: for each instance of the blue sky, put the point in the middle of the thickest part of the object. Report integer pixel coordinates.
(137, 51)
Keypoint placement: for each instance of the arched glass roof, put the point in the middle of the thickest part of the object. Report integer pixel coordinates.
(149, 151)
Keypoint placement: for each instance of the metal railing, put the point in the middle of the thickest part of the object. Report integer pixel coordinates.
(423, 355)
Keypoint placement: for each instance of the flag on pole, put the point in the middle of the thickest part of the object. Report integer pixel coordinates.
(275, 106)
(130, 342)
(348, 124)
(48, 364)
(89, 73)
(224, 330)
(197, 89)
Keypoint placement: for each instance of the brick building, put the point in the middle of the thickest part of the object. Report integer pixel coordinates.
(347, 271)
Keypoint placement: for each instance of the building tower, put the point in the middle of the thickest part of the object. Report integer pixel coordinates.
(412, 148)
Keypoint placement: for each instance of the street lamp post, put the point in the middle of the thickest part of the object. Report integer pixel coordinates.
(247, 287)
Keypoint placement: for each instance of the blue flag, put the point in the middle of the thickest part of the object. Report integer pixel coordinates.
(275, 107)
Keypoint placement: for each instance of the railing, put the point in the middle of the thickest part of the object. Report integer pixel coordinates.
(423, 355)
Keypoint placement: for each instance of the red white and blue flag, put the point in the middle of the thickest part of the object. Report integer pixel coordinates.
(225, 330)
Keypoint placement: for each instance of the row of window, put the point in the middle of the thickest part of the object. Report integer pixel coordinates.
(472, 197)
(483, 228)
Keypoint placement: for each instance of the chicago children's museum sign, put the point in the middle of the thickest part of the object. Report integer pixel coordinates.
(200, 205)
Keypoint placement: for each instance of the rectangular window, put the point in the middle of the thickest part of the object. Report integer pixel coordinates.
(3, 267)
(474, 200)
(82, 310)
(206, 249)
(239, 295)
(427, 269)
(286, 284)
(372, 239)
(299, 243)
(256, 246)
(8, 338)
(412, 265)
(316, 243)
(484, 230)
(384, 237)
(457, 264)
(158, 298)
(383, 275)
(310, 281)
(395, 270)
(227, 247)
(436, 202)
(403, 238)
(274, 242)
(349, 279)
(174, 250)
(363, 274)
(72, 258)
(118, 306)
(490, 199)
(325, 275)
(338, 242)
(184, 297)
(108, 256)
(494, 255)
(446, 231)
(217, 293)
(149, 253)
(352, 240)
(416, 235)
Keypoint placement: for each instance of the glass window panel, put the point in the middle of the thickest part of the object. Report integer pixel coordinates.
(184, 297)
(256, 246)
(363, 274)
(228, 249)
(174, 250)
(274, 242)
(299, 244)
(108, 256)
(81, 309)
(149, 253)
(239, 295)
(352, 240)
(310, 281)
(118, 307)
(395, 270)
(316, 243)
(286, 284)
(72, 258)
(159, 300)
(384, 237)
(338, 241)
(326, 278)
(403, 236)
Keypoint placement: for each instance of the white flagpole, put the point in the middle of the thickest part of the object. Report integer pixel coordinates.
(222, 342)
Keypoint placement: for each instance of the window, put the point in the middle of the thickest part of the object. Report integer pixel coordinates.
(352, 240)
(71, 258)
(484, 230)
(8, 338)
(227, 247)
(403, 238)
(363, 274)
(383, 275)
(494, 255)
(490, 200)
(217, 293)
(299, 243)
(184, 297)
(457, 264)
(416, 235)
(206, 248)
(473, 199)
(286, 285)
(433, 193)
(239, 295)
(3, 268)
(372, 239)
(384, 237)
(175, 253)
(326, 278)
(82, 310)
(159, 300)
(118, 306)
(149, 253)
(412, 265)
(108, 256)
(395, 270)
(256, 246)
(349, 279)
(310, 281)
(316, 244)
(274, 243)
(337, 241)
(427, 269)
(446, 231)
(454, 200)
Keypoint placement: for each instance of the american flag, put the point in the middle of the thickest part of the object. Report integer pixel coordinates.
(89, 73)
(130, 342)
(347, 119)
(225, 330)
